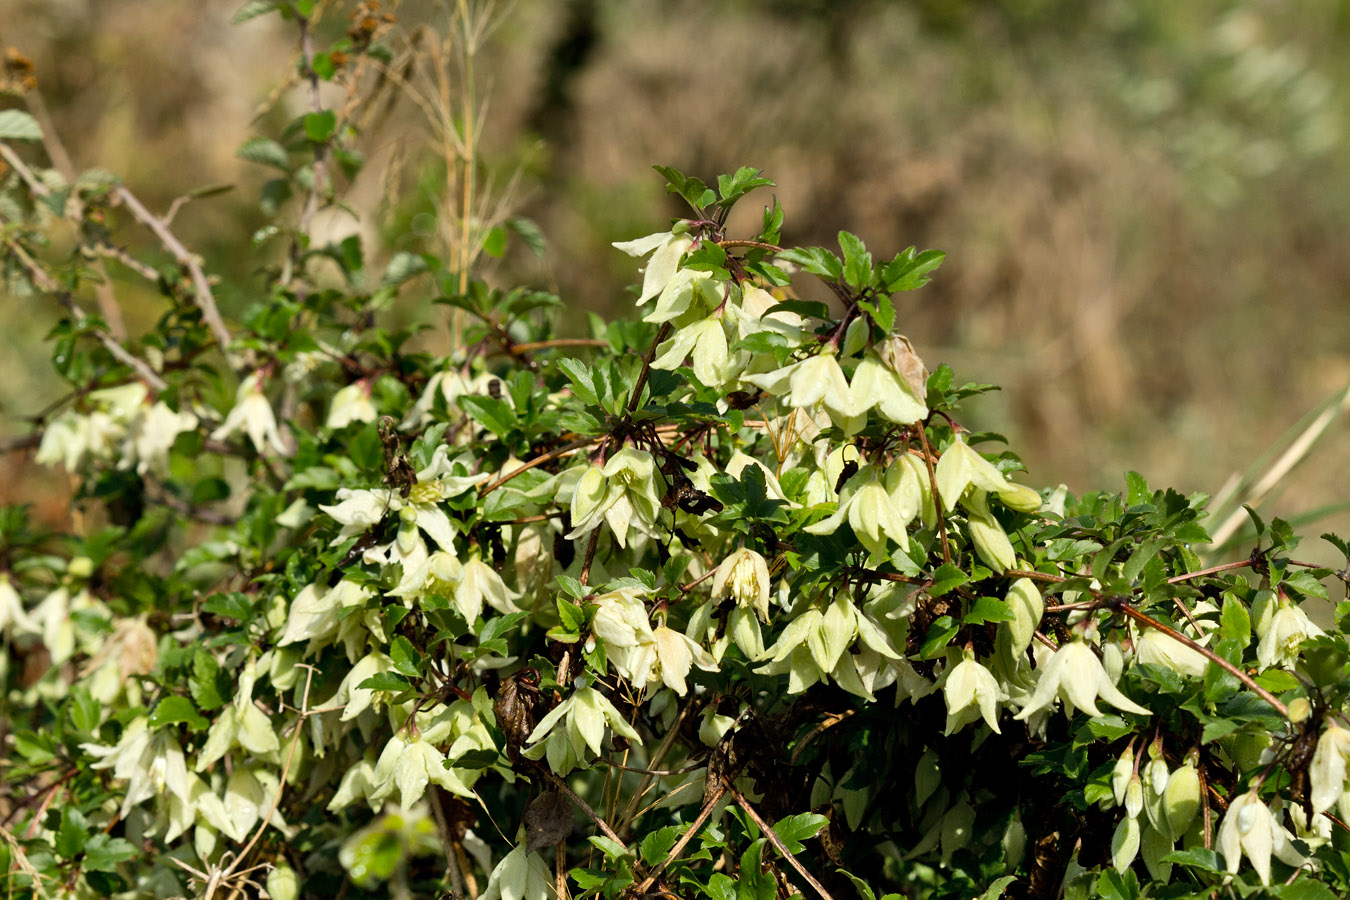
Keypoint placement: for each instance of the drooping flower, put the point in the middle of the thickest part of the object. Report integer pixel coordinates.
(815, 380)
(1250, 827)
(351, 404)
(254, 415)
(1289, 627)
(972, 692)
(1075, 675)
(1327, 772)
(962, 466)
(666, 249)
(744, 575)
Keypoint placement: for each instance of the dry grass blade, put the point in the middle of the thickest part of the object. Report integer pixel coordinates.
(1248, 491)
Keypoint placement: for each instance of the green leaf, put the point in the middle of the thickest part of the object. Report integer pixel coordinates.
(323, 66)
(265, 151)
(320, 126)
(103, 853)
(252, 10)
(494, 242)
(529, 232)
(207, 684)
(1235, 623)
(175, 709)
(385, 681)
(947, 578)
(656, 846)
(1306, 888)
(85, 711)
(73, 834)
(405, 657)
(1197, 858)
(857, 261)
(816, 260)
(17, 125)
(234, 605)
(579, 374)
(988, 609)
(939, 635)
(997, 887)
(792, 830)
(612, 849)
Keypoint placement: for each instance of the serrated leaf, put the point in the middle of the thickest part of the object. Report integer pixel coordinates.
(656, 846)
(320, 126)
(174, 710)
(385, 681)
(792, 830)
(947, 578)
(17, 125)
(405, 657)
(103, 853)
(988, 609)
(264, 151)
(252, 10)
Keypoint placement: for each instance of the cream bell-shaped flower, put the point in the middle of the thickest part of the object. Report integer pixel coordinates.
(877, 384)
(150, 762)
(962, 466)
(677, 653)
(152, 435)
(351, 404)
(707, 342)
(1289, 627)
(666, 248)
(254, 415)
(1250, 827)
(587, 712)
(972, 692)
(1327, 772)
(625, 494)
(818, 379)
(1075, 675)
(868, 506)
(520, 876)
(13, 619)
(1155, 648)
(744, 576)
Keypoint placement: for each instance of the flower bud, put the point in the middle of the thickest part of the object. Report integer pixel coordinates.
(1121, 773)
(1125, 844)
(1181, 800)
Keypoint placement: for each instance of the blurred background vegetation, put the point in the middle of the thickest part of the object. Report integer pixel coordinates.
(1144, 203)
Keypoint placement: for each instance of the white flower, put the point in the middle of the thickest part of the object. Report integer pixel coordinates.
(677, 653)
(1289, 627)
(744, 575)
(877, 384)
(13, 619)
(587, 711)
(254, 414)
(818, 379)
(1250, 827)
(972, 692)
(240, 723)
(707, 340)
(669, 248)
(351, 404)
(962, 466)
(869, 503)
(623, 493)
(411, 766)
(1158, 649)
(520, 876)
(1327, 771)
(152, 435)
(149, 762)
(1075, 675)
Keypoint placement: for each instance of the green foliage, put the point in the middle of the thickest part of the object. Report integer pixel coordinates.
(715, 603)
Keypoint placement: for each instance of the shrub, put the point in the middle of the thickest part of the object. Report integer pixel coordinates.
(724, 600)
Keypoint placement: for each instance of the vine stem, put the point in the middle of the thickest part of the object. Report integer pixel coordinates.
(683, 842)
(537, 461)
(585, 807)
(933, 489)
(1208, 654)
(775, 840)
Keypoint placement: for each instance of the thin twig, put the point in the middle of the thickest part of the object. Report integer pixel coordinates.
(775, 840)
(586, 808)
(537, 461)
(684, 840)
(933, 489)
(45, 282)
(205, 300)
(1210, 655)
